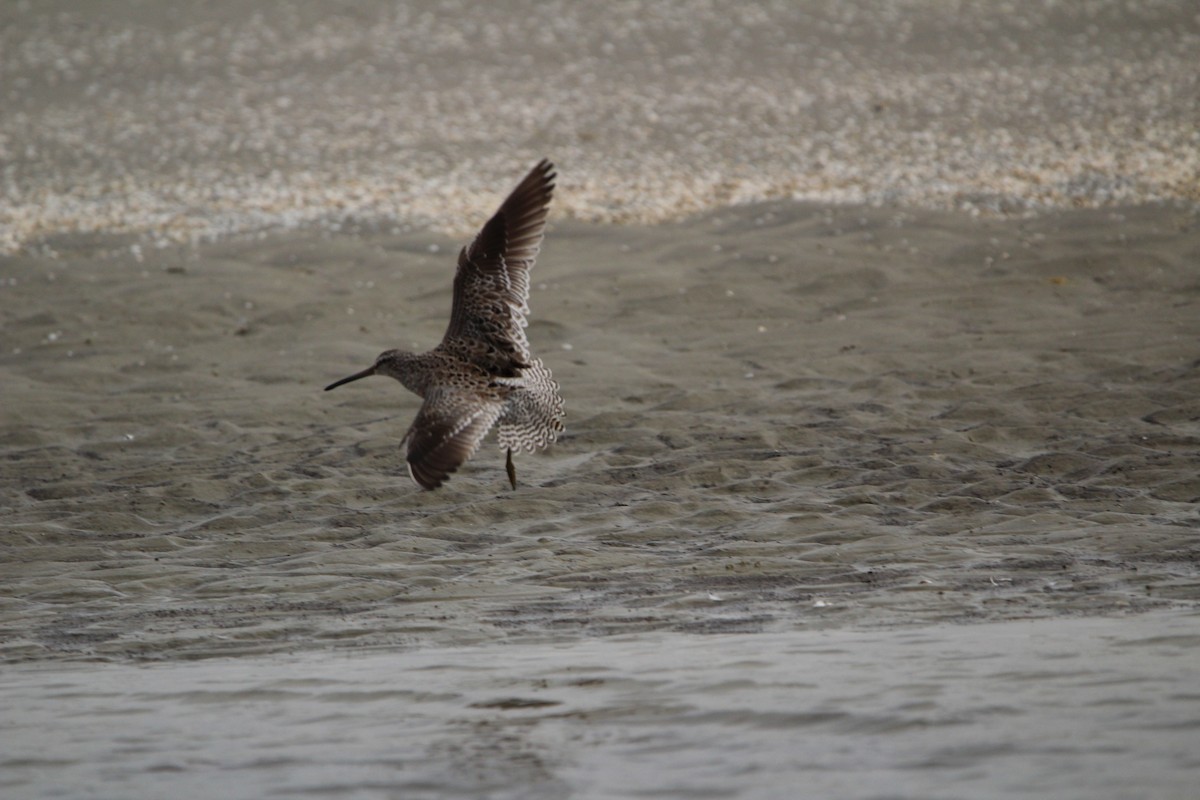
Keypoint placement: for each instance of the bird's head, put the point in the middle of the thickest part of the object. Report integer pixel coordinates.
(389, 362)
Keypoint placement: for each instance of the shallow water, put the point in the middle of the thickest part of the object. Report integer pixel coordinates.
(1062, 708)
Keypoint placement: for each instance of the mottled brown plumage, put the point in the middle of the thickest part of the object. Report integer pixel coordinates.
(482, 373)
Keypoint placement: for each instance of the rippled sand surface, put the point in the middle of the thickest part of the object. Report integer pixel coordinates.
(777, 415)
(875, 481)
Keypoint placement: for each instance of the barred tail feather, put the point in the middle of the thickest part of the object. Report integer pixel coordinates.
(533, 412)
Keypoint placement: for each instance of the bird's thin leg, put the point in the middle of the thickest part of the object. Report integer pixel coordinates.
(512, 471)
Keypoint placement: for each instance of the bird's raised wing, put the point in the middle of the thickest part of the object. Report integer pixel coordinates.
(447, 432)
(491, 286)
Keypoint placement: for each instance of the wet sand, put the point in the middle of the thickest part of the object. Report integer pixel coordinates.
(847, 370)
(778, 415)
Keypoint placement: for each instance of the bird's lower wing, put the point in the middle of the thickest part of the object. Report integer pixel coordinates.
(447, 432)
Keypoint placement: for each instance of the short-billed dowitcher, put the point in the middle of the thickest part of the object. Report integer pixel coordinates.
(482, 373)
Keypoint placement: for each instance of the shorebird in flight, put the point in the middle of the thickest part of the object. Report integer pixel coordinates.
(482, 374)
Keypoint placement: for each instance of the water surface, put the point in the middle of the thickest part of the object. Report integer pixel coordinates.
(1059, 708)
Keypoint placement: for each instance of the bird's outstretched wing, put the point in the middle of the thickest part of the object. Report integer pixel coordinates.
(491, 286)
(447, 432)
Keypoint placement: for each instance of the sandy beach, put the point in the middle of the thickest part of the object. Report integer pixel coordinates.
(878, 329)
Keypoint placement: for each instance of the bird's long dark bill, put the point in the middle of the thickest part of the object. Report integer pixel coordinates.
(366, 373)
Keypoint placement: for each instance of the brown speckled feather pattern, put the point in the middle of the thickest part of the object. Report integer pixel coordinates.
(491, 286)
(447, 432)
(482, 372)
